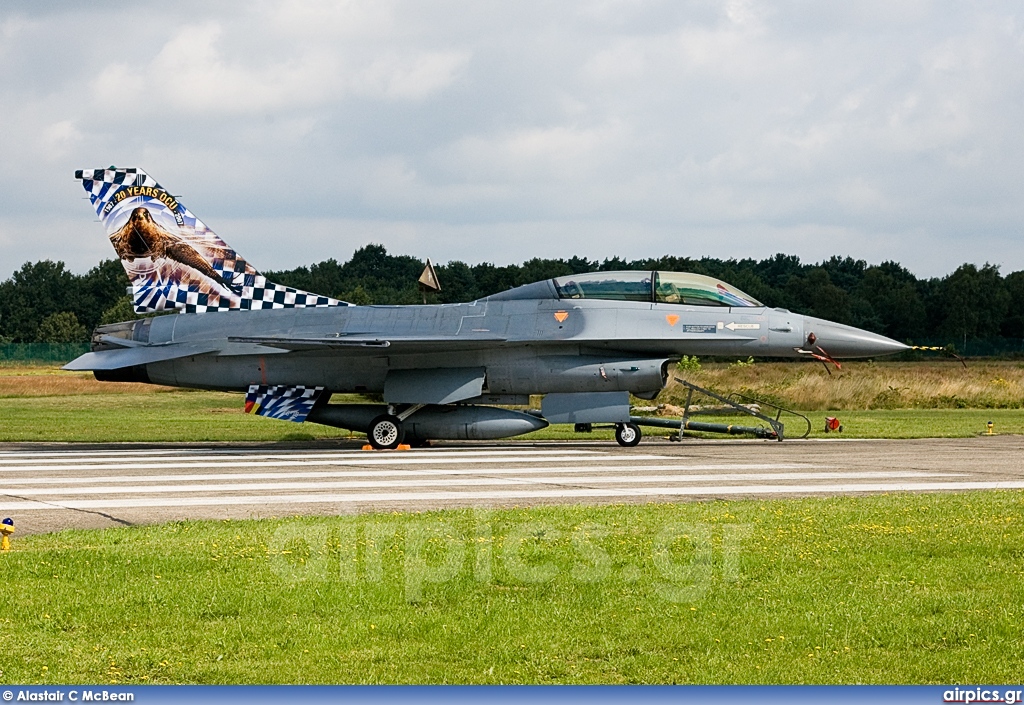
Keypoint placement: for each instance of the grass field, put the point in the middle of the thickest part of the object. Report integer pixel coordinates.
(883, 589)
(178, 416)
(860, 386)
(45, 404)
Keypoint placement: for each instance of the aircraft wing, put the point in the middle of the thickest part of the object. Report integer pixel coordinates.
(139, 355)
(412, 343)
(399, 343)
(146, 354)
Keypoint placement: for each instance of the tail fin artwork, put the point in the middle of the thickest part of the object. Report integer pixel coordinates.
(173, 260)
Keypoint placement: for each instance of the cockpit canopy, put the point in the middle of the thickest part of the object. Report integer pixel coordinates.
(656, 287)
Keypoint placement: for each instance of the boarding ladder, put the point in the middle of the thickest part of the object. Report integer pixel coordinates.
(739, 403)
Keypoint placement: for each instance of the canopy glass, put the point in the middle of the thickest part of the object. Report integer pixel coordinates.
(612, 286)
(659, 287)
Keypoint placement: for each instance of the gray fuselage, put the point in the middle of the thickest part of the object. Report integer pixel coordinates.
(527, 339)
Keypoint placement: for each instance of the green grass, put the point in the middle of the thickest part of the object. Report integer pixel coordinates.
(935, 384)
(166, 416)
(883, 589)
(177, 416)
(898, 423)
(920, 423)
(42, 403)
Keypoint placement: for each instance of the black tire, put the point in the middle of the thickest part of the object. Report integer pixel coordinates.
(627, 435)
(385, 432)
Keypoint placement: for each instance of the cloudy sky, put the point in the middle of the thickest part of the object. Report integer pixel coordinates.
(498, 131)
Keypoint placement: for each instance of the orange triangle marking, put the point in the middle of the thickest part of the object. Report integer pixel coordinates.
(672, 319)
(561, 315)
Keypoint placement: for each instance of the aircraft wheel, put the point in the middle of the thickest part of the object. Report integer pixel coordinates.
(627, 434)
(385, 432)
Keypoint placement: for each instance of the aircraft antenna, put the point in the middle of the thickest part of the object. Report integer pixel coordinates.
(428, 281)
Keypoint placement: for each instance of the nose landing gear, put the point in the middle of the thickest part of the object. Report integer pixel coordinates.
(627, 435)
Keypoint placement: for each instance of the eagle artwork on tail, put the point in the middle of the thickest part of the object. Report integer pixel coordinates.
(175, 262)
(141, 237)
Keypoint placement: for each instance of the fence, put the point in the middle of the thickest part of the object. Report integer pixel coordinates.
(41, 353)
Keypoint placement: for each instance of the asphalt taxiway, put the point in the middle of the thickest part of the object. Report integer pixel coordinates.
(48, 487)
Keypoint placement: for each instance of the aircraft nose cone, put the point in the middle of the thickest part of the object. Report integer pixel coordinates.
(846, 341)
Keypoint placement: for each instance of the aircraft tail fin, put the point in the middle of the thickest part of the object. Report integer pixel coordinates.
(173, 260)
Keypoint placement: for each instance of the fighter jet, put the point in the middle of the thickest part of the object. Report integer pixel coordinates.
(585, 342)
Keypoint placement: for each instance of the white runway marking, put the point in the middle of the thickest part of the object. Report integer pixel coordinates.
(512, 495)
(469, 482)
(168, 478)
(174, 455)
(86, 453)
(426, 472)
(361, 461)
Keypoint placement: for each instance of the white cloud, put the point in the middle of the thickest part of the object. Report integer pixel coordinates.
(191, 75)
(561, 152)
(408, 77)
(335, 20)
(202, 71)
(497, 131)
(59, 138)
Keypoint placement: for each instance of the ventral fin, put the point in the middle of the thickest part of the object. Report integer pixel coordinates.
(288, 403)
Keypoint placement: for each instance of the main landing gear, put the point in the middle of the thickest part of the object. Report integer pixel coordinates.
(627, 435)
(386, 432)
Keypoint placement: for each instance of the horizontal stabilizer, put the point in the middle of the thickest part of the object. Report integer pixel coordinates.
(281, 401)
(129, 357)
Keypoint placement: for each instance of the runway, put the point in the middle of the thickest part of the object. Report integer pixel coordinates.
(51, 487)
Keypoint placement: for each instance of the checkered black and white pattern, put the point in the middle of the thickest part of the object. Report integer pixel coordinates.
(162, 296)
(164, 284)
(281, 401)
(101, 184)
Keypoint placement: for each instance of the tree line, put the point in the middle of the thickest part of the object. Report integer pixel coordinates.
(44, 302)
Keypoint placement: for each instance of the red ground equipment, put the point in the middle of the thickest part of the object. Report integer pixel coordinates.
(832, 424)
